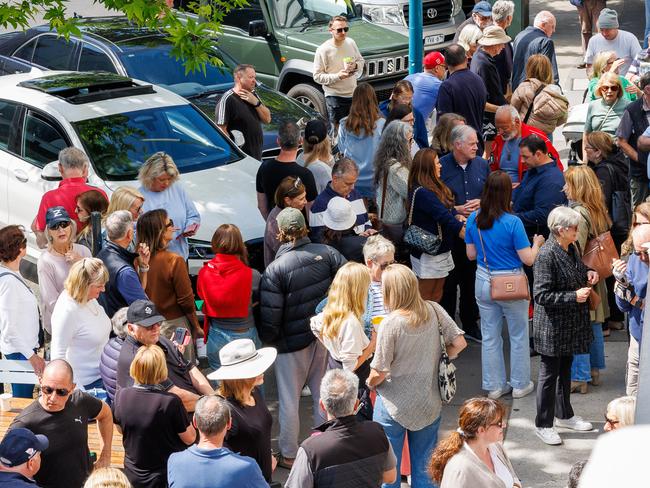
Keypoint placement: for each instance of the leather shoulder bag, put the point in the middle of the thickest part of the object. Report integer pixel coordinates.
(599, 253)
(507, 286)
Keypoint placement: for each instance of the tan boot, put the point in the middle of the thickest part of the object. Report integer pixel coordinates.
(595, 377)
(579, 386)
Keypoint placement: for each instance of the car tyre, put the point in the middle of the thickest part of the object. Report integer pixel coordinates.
(309, 95)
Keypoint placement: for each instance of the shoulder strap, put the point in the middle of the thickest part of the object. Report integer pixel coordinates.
(480, 237)
(19, 279)
(532, 103)
(383, 196)
(606, 115)
(442, 337)
(410, 219)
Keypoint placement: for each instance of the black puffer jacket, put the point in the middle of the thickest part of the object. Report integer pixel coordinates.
(612, 173)
(291, 287)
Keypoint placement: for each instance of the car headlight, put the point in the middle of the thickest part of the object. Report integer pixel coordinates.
(456, 7)
(200, 249)
(390, 15)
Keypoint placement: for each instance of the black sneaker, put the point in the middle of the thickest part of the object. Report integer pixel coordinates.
(474, 334)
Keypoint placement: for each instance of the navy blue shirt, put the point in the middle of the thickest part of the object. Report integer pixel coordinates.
(531, 40)
(464, 93)
(466, 184)
(540, 192)
(15, 480)
(485, 66)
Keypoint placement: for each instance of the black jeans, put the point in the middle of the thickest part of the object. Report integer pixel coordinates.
(337, 108)
(463, 276)
(553, 390)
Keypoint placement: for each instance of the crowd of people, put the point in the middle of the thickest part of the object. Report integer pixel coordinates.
(394, 233)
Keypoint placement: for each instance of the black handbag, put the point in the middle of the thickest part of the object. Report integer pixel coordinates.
(419, 239)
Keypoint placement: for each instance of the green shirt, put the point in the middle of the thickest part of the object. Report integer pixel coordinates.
(601, 118)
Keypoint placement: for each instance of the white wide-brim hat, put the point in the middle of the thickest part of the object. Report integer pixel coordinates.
(339, 214)
(240, 360)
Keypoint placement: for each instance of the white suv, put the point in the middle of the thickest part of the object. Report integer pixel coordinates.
(119, 122)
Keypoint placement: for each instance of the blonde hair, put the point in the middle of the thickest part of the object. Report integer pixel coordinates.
(315, 152)
(347, 296)
(585, 189)
(401, 294)
(600, 62)
(107, 478)
(238, 389)
(149, 366)
(469, 36)
(612, 78)
(123, 198)
(624, 408)
(71, 239)
(157, 165)
(539, 67)
(83, 273)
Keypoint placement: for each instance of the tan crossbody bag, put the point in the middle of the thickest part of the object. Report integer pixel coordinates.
(512, 286)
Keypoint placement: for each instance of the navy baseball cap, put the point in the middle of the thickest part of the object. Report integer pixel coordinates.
(20, 445)
(143, 313)
(54, 215)
(483, 8)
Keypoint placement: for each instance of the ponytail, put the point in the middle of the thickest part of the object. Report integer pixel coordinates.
(444, 451)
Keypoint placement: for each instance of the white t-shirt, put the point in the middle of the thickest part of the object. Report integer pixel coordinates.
(625, 45)
(18, 315)
(348, 345)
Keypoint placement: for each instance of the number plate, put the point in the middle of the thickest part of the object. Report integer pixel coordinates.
(431, 40)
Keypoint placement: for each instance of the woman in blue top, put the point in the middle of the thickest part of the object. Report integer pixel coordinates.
(432, 209)
(506, 249)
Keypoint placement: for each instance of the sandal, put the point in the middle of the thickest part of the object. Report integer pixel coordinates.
(284, 462)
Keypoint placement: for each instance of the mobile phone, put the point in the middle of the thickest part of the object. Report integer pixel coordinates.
(181, 336)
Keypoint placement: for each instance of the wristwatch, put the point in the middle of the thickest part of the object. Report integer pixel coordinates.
(259, 102)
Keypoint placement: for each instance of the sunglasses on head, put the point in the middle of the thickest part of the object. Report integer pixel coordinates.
(60, 225)
(340, 30)
(48, 390)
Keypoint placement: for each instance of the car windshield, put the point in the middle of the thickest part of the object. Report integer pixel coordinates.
(119, 144)
(151, 60)
(297, 13)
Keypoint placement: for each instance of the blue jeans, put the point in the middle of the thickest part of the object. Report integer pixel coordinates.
(594, 359)
(492, 313)
(421, 445)
(20, 390)
(96, 389)
(218, 337)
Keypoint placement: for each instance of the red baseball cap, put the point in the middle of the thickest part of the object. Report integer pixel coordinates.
(433, 59)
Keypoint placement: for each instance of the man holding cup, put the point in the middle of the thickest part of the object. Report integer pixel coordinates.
(337, 65)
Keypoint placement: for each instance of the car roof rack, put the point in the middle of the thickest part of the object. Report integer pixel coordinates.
(85, 87)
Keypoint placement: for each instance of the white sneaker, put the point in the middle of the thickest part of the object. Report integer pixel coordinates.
(496, 394)
(522, 392)
(305, 391)
(574, 423)
(548, 435)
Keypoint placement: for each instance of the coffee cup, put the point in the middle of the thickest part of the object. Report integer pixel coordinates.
(5, 402)
(348, 63)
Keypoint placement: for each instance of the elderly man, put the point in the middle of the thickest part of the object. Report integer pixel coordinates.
(510, 132)
(344, 176)
(209, 464)
(611, 38)
(62, 414)
(125, 284)
(272, 172)
(240, 109)
(73, 166)
(143, 329)
(541, 188)
(630, 290)
(502, 14)
(463, 92)
(20, 458)
(481, 16)
(291, 288)
(535, 39)
(465, 174)
(633, 125)
(347, 449)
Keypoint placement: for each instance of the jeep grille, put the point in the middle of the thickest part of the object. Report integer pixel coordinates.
(386, 66)
(434, 12)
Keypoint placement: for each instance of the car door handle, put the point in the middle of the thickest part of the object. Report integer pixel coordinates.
(21, 175)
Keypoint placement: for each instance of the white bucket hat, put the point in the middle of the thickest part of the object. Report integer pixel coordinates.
(240, 360)
(339, 214)
(494, 35)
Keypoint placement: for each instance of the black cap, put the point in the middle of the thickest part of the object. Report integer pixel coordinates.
(315, 131)
(143, 313)
(54, 215)
(20, 445)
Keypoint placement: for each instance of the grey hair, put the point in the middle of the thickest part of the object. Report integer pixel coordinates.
(377, 246)
(514, 114)
(73, 158)
(393, 148)
(502, 9)
(344, 166)
(211, 414)
(338, 392)
(460, 133)
(118, 224)
(543, 17)
(289, 135)
(644, 80)
(157, 165)
(469, 36)
(118, 321)
(562, 217)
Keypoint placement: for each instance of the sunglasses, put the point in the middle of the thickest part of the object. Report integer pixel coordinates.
(341, 30)
(383, 266)
(609, 88)
(60, 225)
(641, 253)
(610, 421)
(636, 224)
(500, 424)
(297, 183)
(48, 390)
(169, 224)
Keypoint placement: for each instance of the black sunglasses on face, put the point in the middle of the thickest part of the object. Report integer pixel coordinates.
(340, 30)
(60, 225)
(610, 421)
(170, 223)
(383, 266)
(48, 390)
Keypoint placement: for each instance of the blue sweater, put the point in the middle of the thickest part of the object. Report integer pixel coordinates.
(361, 149)
(428, 212)
(419, 127)
(637, 275)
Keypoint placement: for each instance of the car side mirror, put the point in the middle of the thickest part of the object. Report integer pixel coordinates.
(238, 138)
(50, 172)
(257, 28)
(358, 9)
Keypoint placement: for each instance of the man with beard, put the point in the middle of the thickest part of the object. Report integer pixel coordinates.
(510, 132)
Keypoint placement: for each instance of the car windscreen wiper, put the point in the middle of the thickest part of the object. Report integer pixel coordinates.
(309, 22)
